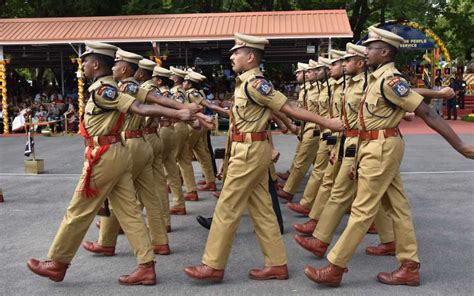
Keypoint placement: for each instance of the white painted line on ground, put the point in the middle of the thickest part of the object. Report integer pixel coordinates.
(437, 172)
(77, 175)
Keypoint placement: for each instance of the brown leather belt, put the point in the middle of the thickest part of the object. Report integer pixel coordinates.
(165, 122)
(133, 134)
(102, 140)
(149, 130)
(255, 137)
(374, 134)
(351, 132)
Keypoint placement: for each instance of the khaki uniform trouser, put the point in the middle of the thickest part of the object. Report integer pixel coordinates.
(314, 181)
(198, 144)
(379, 183)
(305, 156)
(342, 195)
(324, 191)
(113, 179)
(168, 136)
(159, 175)
(145, 185)
(184, 159)
(245, 187)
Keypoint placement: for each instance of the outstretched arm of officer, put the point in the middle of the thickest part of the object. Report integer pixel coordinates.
(215, 108)
(157, 110)
(437, 123)
(153, 97)
(334, 124)
(283, 128)
(286, 122)
(444, 93)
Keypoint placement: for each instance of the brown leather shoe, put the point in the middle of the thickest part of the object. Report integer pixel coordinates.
(161, 249)
(177, 211)
(201, 182)
(98, 249)
(269, 273)
(284, 176)
(307, 227)
(407, 274)
(314, 245)
(191, 196)
(98, 226)
(383, 249)
(298, 208)
(285, 195)
(211, 186)
(330, 275)
(204, 272)
(216, 194)
(168, 228)
(144, 274)
(53, 270)
(372, 229)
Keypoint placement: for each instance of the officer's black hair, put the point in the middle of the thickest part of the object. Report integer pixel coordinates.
(104, 60)
(257, 52)
(166, 81)
(133, 67)
(392, 50)
(148, 73)
(195, 84)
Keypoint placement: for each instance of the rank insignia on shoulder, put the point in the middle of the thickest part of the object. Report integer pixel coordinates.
(399, 86)
(263, 86)
(157, 91)
(108, 92)
(179, 97)
(129, 87)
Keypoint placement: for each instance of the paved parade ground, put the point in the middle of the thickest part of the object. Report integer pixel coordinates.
(438, 181)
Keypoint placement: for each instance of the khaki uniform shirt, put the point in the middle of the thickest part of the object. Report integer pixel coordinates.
(324, 99)
(352, 97)
(252, 114)
(194, 96)
(376, 111)
(130, 86)
(336, 100)
(165, 91)
(101, 109)
(178, 93)
(149, 85)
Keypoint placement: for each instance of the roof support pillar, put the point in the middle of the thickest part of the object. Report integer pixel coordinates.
(62, 72)
(3, 91)
(329, 46)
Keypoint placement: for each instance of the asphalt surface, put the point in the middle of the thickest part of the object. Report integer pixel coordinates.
(438, 182)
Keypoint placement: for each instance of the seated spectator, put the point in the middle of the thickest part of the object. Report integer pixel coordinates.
(40, 116)
(54, 114)
(71, 115)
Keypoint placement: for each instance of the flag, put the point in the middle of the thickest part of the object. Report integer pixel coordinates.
(30, 145)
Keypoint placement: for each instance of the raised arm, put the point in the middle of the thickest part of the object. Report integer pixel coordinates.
(157, 110)
(334, 124)
(437, 123)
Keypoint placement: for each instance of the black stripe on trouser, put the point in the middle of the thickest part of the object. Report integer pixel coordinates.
(211, 151)
(275, 202)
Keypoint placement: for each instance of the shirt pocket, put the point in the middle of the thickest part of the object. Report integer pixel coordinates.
(240, 107)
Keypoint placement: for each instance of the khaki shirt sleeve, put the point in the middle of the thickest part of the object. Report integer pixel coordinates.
(262, 93)
(134, 90)
(196, 98)
(398, 91)
(108, 97)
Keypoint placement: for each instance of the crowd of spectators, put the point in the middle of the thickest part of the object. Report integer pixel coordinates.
(48, 108)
